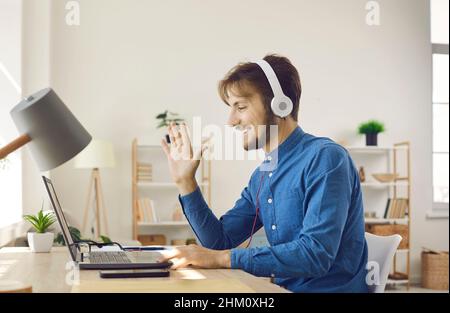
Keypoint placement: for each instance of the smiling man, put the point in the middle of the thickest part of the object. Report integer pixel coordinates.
(310, 203)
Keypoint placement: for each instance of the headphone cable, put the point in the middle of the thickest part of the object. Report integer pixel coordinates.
(257, 209)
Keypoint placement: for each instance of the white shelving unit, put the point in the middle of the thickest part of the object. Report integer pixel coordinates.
(163, 192)
(164, 185)
(375, 193)
(375, 184)
(163, 224)
(386, 220)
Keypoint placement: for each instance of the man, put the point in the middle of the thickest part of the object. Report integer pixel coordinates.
(310, 203)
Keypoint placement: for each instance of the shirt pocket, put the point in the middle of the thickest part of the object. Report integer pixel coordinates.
(289, 211)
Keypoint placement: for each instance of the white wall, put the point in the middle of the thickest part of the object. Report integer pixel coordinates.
(35, 72)
(129, 60)
(10, 93)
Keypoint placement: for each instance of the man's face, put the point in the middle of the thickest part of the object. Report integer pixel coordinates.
(246, 114)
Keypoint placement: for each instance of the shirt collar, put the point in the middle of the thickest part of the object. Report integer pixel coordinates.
(287, 145)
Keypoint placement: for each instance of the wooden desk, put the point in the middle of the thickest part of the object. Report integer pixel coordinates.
(47, 272)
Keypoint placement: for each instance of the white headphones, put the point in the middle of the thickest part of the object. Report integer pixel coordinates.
(281, 104)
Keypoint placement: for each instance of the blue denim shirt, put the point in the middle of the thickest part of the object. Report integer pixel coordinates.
(311, 210)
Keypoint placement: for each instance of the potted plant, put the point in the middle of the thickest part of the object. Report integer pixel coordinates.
(165, 118)
(76, 236)
(371, 129)
(40, 240)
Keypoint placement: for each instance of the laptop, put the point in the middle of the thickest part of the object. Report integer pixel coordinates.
(101, 260)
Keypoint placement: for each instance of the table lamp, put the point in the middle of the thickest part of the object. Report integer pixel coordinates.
(53, 135)
(51, 131)
(98, 154)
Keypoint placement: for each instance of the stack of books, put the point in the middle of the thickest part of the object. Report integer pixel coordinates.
(146, 212)
(396, 208)
(144, 172)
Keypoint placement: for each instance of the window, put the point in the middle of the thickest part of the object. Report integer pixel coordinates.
(440, 42)
(10, 94)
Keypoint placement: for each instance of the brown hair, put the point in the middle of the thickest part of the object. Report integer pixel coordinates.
(247, 78)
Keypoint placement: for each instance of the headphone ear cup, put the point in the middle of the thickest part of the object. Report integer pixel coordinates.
(282, 106)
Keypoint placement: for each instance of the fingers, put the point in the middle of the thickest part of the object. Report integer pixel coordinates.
(179, 263)
(168, 254)
(176, 256)
(199, 152)
(176, 134)
(185, 134)
(171, 135)
(165, 147)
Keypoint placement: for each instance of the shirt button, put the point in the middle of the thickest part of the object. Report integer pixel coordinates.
(270, 200)
(269, 158)
(274, 227)
(270, 174)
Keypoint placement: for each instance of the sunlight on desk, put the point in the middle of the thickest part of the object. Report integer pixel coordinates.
(5, 265)
(190, 274)
(158, 285)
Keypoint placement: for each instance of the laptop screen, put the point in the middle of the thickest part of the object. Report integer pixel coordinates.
(60, 216)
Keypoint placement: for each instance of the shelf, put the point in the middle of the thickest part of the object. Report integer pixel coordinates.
(386, 220)
(149, 147)
(375, 149)
(164, 224)
(164, 185)
(397, 282)
(150, 152)
(375, 184)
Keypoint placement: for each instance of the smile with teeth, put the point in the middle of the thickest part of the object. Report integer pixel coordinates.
(244, 129)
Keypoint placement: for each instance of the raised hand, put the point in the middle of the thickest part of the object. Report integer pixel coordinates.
(183, 160)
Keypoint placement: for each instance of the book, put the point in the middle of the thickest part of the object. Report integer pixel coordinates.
(392, 208)
(403, 208)
(386, 210)
(395, 209)
(140, 213)
(146, 211)
(152, 211)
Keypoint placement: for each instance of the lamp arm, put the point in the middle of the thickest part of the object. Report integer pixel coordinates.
(14, 145)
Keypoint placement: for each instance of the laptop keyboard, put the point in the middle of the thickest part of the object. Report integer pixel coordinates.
(108, 257)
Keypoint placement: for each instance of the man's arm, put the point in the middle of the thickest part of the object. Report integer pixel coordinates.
(232, 228)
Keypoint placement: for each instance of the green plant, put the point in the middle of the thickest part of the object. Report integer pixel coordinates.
(371, 127)
(74, 232)
(166, 118)
(105, 239)
(76, 236)
(41, 222)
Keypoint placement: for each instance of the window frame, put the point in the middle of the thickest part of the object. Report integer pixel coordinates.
(439, 209)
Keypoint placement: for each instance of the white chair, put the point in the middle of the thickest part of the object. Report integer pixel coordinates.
(381, 251)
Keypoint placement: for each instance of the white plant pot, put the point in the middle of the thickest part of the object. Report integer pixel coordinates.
(40, 242)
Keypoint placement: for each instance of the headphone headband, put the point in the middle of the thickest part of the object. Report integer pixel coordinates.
(271, 77)
(281, 104)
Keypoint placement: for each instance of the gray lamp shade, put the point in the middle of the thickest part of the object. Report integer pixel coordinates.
(55, 135)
